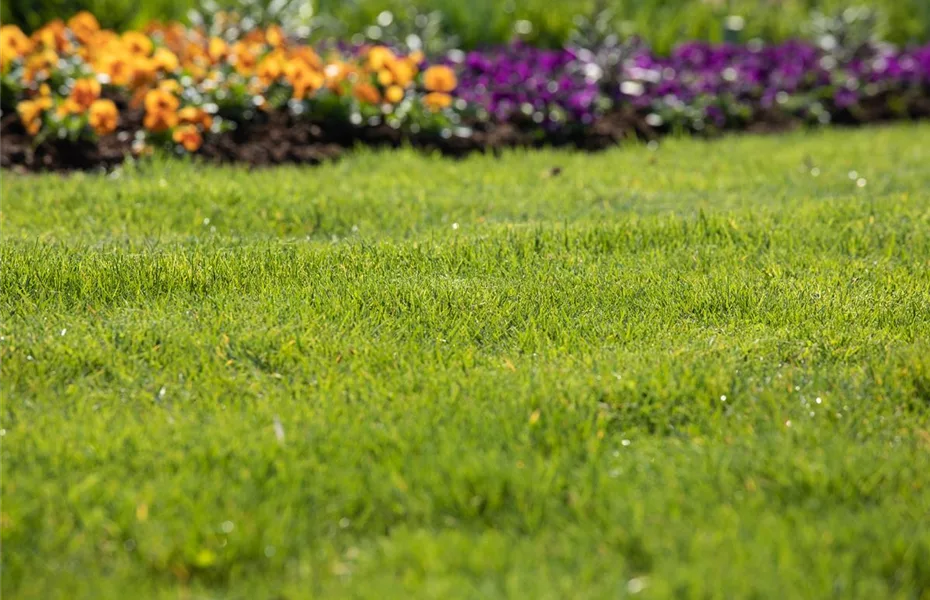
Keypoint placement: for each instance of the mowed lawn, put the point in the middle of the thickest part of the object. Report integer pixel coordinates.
(697, 371)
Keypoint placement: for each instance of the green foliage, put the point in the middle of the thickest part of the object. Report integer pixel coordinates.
(845, 34)
(663, 23)
(113, 14)
(695, 371)
(292, 15)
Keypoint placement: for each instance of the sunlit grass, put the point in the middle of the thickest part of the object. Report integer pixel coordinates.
(700, 371)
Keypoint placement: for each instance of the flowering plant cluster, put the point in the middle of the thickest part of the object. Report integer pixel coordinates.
(75, 80)
(176, 86)
(699, 86)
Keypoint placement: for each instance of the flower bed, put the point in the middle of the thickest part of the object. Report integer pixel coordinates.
(76, 96)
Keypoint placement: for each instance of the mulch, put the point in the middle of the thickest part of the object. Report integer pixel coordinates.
(280, 138)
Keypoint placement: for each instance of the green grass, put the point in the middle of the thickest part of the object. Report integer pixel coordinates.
(403, 376)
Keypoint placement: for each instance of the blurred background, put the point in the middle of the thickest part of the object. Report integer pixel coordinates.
(444, 24)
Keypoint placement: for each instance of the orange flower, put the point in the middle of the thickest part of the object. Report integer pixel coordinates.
(13, 44)
(415, 58)
(103, 117)
(440, 78)
(85, 91)
(103, 38)
(173, 35)
(165, 60)
(161, 101)
(161, 121)
(38, 65)
(365, 92)
(188, 136)
(143, 71)
(437, 100)
(394, 94)
(254, 37)
(270, 68)
(84, 25)
(303, 78)
(307, 55)
(137, 43)
(118, 68)
(192, 115)
(380, 57)
(30, 113)
(244, 58)
(100, 43)
(53, 36)
(160, 110)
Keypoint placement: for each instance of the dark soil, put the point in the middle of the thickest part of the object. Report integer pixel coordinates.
(280, 138)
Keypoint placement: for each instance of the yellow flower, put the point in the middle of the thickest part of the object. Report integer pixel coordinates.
(385, 77)
(103, 117)
(440, 78)
(274, 36)
(165, 60)
(85, 92)
(380, 57)
(403, 72)
(217, 49)
(188, 136)
(172, 86)
(137, 43)
(437, 100)
(365, 92)
(30, 113)
(13, 44)
(68, 107)
(84, 25)
(394, 94)
(192, 115)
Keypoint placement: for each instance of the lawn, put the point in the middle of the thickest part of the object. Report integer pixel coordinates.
(697, 370)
